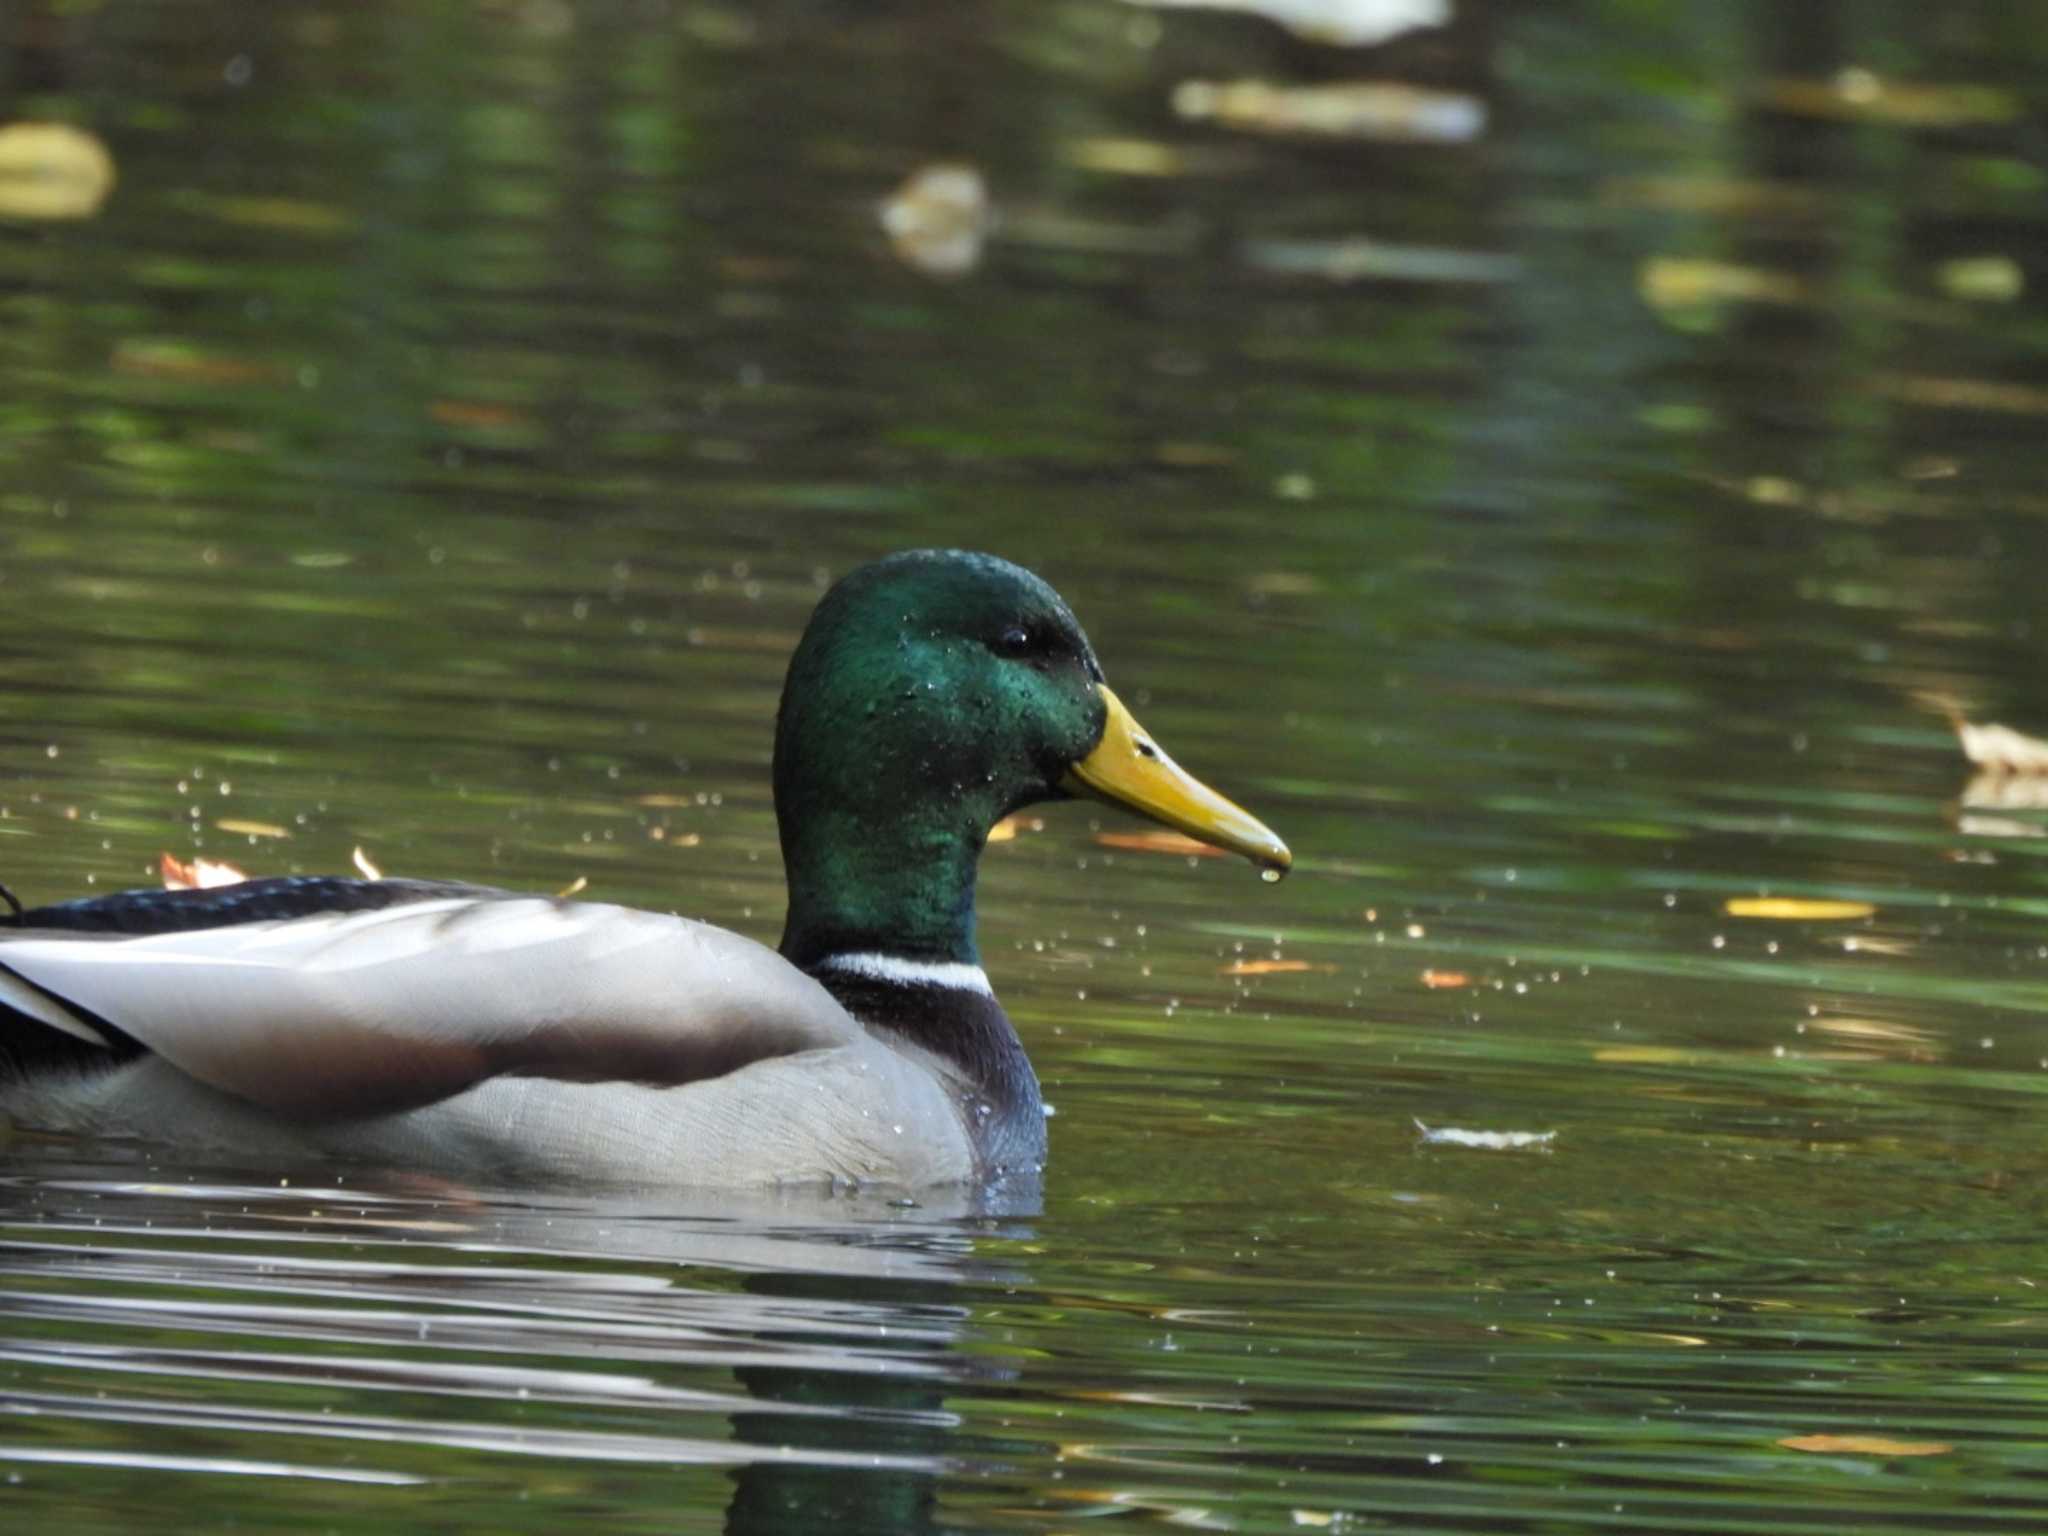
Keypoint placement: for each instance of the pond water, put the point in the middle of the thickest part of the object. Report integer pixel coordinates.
(1559, 526)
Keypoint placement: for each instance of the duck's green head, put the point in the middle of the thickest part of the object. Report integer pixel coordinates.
(932, 694)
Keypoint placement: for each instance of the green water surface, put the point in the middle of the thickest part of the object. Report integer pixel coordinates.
(436, 439)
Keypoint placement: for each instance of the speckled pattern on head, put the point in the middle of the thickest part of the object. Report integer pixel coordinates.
(933, 693)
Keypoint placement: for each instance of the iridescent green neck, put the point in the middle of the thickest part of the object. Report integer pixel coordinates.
(860, 882)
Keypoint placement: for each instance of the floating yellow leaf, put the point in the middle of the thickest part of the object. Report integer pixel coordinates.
(52, 171)
(1865, 1445)
(1357, 109)
(1982, 279)
(253, 828)
(199, 875)
(1127, 157)
(1007, 829)
(1271, 967)
(1874, 1032)
(1644, 1055)
(1159, 842)
(369, 871)
(575, 887)
(1670, 282)
(1438, 981)
(1796, 908)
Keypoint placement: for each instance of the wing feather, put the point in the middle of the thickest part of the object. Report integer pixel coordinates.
(384, 1010)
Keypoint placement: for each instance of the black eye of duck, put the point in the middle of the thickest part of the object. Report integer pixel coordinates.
(1015, 641)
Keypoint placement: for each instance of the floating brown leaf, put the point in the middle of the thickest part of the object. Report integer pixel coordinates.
(199, 875)
(1159, 842)
(1271, 967)
(1865, 1445)
(142, 358)
(1796, 908)
(1438, 981)
(482, 415)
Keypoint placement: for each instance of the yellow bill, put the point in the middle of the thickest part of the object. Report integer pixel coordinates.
(1128, 768)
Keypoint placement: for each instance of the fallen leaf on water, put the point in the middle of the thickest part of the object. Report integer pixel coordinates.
(1644, 1055)
(574, 888)
(1872, 1031)
(1007, 829)
(1982, 279)
(52, 171)
(1271, 967)
(1438, 981)
(141, 358)
(1344, 23)
(1672, 282)
(1860, 94)
(1962, 394)
(481, 414)
(1796, 908)
(938, 219)
(369, 871)
(1355, 109)
(1487, 1141)
(1127, 157)
(1865, 1445)
(199, 875)
(252, 828)
(1159, 842)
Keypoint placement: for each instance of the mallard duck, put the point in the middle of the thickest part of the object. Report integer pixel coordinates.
(478, 1032)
